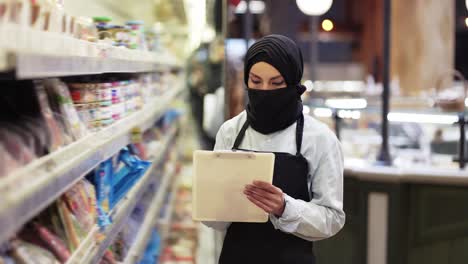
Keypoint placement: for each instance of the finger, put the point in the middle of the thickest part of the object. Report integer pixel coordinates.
(267, 186)
(259, 204)
(261, 192)
(272, 204)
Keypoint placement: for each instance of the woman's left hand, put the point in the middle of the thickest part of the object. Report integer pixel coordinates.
(266, 196)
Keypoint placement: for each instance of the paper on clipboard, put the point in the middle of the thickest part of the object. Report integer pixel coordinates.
(219, 181)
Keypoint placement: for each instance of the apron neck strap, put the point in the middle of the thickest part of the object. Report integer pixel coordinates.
(299, 131)
(241, 135)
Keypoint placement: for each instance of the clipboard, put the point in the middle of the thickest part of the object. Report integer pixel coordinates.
(219, 181)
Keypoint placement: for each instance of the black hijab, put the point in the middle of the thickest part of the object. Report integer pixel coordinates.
(270, 111)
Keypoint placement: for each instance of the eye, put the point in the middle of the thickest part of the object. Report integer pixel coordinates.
(254, 81)
(278, 83)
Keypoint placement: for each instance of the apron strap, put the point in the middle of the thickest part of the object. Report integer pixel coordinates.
(241, 135)
(299, 131)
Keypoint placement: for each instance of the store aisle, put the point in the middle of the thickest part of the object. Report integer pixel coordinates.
(187, 241)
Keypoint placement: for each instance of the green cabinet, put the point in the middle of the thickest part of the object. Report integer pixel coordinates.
(427, 224)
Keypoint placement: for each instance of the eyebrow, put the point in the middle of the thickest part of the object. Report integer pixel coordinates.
(273, 78)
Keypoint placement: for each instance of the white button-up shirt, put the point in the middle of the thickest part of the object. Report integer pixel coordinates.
(323, 216)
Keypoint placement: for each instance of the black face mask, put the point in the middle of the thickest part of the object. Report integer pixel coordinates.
(269, 111)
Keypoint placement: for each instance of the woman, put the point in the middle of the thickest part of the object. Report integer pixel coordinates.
(306, 199)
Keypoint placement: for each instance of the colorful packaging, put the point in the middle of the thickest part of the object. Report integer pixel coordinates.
(130, 169)
(105, 91)
(63, 105)
(72, 228)
(117, 94)
(153, 250)
(103, 183)
(53, 126)
(79, 201)
(56, 245)
(7, 163)
(83, 93)
(26, 253)
(108, 258)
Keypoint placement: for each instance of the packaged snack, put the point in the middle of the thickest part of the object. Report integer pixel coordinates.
(83, 93)
(108, 258)
(55, 130)
(117, 94)
(91, 196)
(37, 132)
(80, 205)
(137, 143)
(64, 106)
(7, 163)
(85, 29)
(15, 147)
(72, 227)
(105, 110)
(105, 92)
(153, 249)
(26, 253)
(101, 20)
(103, 183)
(130, 169)
(118, 111)
(53, 242)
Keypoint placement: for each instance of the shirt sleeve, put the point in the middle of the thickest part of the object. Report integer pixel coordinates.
(323, 216)
(219, 145)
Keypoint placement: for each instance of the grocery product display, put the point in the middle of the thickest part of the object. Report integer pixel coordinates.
(88, 136)
(45, 115)
(87, 209)
(74, 45)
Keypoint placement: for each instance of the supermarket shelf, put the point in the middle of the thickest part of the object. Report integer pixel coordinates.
(27, 191)
(34, 53)
(165, 222)
(141, 240)
(121, 214)
(94, 246)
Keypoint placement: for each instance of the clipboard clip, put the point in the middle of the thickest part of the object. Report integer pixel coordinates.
(234, 154)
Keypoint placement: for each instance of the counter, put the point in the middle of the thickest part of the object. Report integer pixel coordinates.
(395, 215)
(360, 169)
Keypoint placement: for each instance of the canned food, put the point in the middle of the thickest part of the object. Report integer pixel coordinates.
(106, 122)
(105, 92)
(116, 93)
(104, 111)
(84, 93)
(94, 125)
(118, 111)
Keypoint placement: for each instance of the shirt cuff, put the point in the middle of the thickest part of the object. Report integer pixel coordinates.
(290, 219)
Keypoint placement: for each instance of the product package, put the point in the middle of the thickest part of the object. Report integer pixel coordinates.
(78, 213)
(108, 258)
(41, 235)
(56, 131)
(103, 183)
(24, 133)
(128, 169)
(127, 236)
(27, 253)
(62, 105)
(152, 251)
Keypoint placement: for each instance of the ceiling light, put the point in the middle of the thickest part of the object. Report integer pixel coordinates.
(256, 7)
(314, 7)
(327, 25)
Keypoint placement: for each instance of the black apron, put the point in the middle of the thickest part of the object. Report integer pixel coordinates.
(259, 243)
